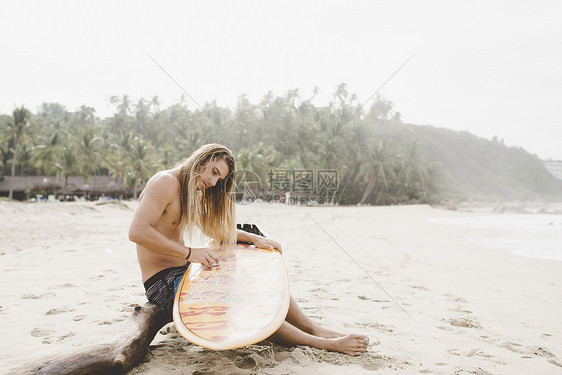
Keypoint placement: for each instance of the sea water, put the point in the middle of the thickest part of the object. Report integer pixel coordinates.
(531, 235)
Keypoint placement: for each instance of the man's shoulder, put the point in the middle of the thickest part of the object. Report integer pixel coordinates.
(166, 177)
(163, 181)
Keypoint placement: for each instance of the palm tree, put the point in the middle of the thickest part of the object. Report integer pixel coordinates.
(19, 127)
(413, 173)
(381, 109)
(125, 106)
(377, 166)
(66, 163)
(5, 137)
(252, 165)
(155, 103)
(86, 115)
(121, 122)
(143, 119)
(141, 162)
(357, 140)
(114, 161)
(24, 158)
(88, 152)
(45, 154)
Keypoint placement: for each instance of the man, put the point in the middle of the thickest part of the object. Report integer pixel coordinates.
(198, 194)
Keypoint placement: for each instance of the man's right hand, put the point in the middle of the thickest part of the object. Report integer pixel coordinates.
(205, 256)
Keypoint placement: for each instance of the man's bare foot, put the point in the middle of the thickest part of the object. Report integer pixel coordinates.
(351, 344)
(325, 333)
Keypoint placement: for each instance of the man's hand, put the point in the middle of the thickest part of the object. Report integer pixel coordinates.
(266, 243)
(205, 256)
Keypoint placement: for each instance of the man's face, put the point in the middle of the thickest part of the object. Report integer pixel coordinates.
(212, 172)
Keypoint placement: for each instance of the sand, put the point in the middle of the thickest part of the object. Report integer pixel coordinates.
(433, 302)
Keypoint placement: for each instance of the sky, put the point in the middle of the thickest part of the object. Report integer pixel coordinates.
(492, 68)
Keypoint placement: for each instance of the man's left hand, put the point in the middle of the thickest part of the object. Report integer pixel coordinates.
(266, 243)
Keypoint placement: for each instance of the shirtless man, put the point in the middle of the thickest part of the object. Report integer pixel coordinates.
(198, 194)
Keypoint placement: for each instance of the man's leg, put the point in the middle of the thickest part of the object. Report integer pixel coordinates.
(298, 329)
(296, 317)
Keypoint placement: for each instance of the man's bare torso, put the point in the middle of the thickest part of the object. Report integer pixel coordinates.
(151, 262)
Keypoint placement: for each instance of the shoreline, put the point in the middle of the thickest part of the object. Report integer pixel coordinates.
(72, 278)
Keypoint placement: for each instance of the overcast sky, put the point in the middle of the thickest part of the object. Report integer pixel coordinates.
(493, 68)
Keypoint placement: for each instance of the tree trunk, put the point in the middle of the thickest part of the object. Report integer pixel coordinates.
(135, 190)
(351, 173)
(370, 186)
(14, 158)
(117, 357)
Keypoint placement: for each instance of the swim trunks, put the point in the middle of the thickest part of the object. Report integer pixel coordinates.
(161, 287)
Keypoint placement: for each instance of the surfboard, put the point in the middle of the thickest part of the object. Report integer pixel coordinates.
(240, 302)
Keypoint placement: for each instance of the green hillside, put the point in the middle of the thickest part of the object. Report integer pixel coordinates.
(480, 168)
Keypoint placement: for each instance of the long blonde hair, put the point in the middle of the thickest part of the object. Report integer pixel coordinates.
(211, 210)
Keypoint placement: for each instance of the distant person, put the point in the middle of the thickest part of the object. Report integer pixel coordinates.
(173, 202)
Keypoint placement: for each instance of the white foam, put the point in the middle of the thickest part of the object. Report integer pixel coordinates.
(537, 236)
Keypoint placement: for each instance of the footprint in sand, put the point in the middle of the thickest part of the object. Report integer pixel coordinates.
(67, 285)
(281, 354)
(469, 353)
(203, 372)
(514, 347)
(59, 310)
(474, 371)
(321, 290)
(464, 322)
(420, 287)
(380, 327)
(365, 298)
(452, 297)
(35, 296)
(543, 352)
(246, 363)
(51, 340)
(41, 332)
(96, 278)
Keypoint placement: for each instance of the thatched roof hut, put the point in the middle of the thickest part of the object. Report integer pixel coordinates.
(28, 186)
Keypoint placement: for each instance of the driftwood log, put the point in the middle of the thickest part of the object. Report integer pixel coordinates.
(116, 357)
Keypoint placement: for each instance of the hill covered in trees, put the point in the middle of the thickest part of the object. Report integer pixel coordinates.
(373, 155)
(480, 168)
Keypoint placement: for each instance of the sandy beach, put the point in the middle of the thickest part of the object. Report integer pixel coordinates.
(433, 300)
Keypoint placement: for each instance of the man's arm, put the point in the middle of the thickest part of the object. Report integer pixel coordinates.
(158, 194)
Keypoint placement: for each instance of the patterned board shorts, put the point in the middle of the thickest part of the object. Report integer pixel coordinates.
(161, 288)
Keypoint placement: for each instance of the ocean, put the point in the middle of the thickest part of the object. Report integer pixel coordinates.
(530, 235)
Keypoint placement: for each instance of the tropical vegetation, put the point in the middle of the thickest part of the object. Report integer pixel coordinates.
(375, 157)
